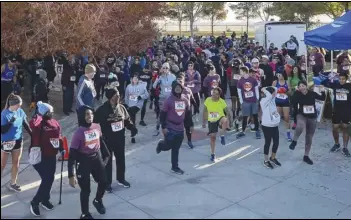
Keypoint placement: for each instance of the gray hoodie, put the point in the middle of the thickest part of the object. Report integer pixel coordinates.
(165, 81)
(133, 91)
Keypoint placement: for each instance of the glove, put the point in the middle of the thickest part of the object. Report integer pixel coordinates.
(139, 98)
(32, 106)
(13, 119)
(134, 131)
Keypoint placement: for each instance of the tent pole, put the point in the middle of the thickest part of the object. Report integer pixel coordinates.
(331, 62)
(306, 66)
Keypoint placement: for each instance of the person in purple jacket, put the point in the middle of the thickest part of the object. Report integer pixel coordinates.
(175, 115)
(89, 155)
(212, 80)
(193, 82)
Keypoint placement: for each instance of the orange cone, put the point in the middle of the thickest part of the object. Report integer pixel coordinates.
(65, 147)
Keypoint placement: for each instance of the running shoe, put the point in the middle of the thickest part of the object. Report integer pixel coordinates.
(289, 136)
(177, 171)
(268, 164)
(307, 160)
(293, 145)
(109, 189)
(240, 135)
(275, 161)
(142, 123)
(124, 183)
(47, 205)
(294, 126)
(34, 209)
(190, 145)
(86, 216)
(158, 148)
(99, 206)
(222, 140)
(133, 140)
(335, 148)
(258, 135)
(15, 187)
(150, 107)
(346, 152)
(213, 157)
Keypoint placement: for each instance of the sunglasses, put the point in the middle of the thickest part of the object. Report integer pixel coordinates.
(190, 65)
(165, 68)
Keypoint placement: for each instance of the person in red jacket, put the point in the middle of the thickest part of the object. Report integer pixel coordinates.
(46, 135)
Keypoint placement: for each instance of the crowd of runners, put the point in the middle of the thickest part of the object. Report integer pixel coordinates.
(224, 83)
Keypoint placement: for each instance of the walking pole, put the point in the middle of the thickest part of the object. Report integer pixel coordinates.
(61, 178)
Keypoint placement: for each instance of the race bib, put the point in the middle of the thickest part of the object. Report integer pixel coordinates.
(191, 85)
(9, 145)
(313, 63)
(117, 126)
(275, 115)
(237, 77)
(55, 142)
(102, 75)
(341, 96)
(37, 72)
(308, 109)
(282, 96)
(91, 138)
(213, 115)
(133, 98)
(345, 67)
(249, 94)
(73, 78)
(179, 107)
(168, 89)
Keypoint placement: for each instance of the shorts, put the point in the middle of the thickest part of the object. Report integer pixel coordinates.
(18, 146)
(233, 91)
(249, 108)
(282, 104)
(213, 126)
(340, 118)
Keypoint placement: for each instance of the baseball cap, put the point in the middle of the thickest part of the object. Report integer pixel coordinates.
(255, 60)
(265, 57)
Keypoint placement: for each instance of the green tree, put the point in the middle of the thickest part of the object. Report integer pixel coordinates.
(193, 10)
(215, 11)
(335, 9)
(245, 10)
(177, 11)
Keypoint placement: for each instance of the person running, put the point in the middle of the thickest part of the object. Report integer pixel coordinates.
(145, 77)
(341, 112)
(282, 100)
(68, 80)
(193, 82)
(189, 94)
(113, 118)
(164, 82)
(211, 81)
(154, 93)
(8, 77)
(46, 136)
(136, 93)
(216, 114)
(88, 154)
(13, 120)
(248, 95)
(175, 115)
(270, 125)
(86, 89)
(304, 104)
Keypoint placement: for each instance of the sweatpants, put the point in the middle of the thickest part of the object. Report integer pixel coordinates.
(173, 141)
(67, 101)
(96, 168)
(117, 148)
(46, 170)
(310, 124)
(270, 134)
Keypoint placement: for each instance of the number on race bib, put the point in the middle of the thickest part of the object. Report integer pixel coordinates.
(191, 85)
(213, 115)
(308, 109)
(73, 78)
(8, 145)
(345, 67)
(117, 126)
(133, 98)
(275, 115)
(282, 96)
(91, 138)
(249, 94)
(179, 107)
(313, 63)
(55, 142)
(168, 89)
(237, 77)
(102, 75)
(341, 96)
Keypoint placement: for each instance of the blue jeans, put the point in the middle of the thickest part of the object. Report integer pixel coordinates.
(173, 141)
(68, 94)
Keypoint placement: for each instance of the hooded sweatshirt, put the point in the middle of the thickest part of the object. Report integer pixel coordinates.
(135, 94)
(193, 81)
(165, 82)
(270, 115)
(176, 111)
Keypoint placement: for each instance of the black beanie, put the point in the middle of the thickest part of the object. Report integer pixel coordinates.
(111, 92)
(81, 115)
(270, 89)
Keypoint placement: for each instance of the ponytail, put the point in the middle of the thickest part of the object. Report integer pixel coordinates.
(7, 105)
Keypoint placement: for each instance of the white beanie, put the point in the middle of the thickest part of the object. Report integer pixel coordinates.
(166, 65)
(43, 108)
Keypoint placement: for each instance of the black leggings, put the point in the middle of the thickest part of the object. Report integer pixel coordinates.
(132, 112)
(244, 123)
(96, 168)
(143, 110)
(196, 104)
(188, 133)
(270, 133)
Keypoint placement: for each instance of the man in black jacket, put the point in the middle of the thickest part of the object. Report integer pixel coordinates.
(113, 119)
(268, 72)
